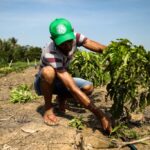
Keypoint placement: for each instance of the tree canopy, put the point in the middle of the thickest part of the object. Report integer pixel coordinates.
(10, 50)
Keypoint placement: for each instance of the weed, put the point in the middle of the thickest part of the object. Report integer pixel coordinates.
(77, 122)
(123, 130)
(21, 94)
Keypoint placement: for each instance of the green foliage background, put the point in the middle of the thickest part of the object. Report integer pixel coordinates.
(89, 66)
(11, 51)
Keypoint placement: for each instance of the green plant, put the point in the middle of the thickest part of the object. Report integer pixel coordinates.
(128, 66)
(21, 94)
(88, 65)
(123, 130)
(77, 122)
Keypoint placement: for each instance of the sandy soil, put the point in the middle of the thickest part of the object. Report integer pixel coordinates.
(22, 126)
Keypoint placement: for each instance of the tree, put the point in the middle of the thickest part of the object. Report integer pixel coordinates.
(33, 53)
(10, 50)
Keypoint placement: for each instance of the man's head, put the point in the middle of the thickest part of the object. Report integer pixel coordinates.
(61, 31)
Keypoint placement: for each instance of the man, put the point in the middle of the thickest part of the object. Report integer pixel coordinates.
(53, 77)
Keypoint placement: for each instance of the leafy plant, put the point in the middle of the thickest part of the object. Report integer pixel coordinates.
(88, 65)
(77, 122)
(123, 130)
(130, 83)
(21, 94)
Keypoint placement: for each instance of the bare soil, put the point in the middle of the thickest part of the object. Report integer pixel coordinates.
(22, 126)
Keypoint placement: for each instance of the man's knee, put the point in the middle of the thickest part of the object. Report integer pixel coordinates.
(48, 73)
(88, 89)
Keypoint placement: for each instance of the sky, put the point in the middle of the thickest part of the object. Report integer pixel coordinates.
(100, 20)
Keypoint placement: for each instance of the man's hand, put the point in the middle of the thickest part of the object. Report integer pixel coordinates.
(106, 124)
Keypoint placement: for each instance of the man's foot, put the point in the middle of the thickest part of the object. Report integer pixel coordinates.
(50, 118)
(106, 124)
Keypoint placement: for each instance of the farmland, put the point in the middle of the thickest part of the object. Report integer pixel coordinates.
(122, 88)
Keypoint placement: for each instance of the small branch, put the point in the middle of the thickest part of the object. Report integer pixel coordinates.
(136, 141)
(122, 144)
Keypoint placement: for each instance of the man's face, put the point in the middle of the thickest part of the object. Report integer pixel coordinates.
(66, 47)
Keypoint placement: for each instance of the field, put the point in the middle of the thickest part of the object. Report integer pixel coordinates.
(22, 127)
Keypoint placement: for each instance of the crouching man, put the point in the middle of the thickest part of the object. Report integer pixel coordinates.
(53, 77)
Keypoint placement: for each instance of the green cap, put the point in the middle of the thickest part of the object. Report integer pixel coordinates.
(61, 31)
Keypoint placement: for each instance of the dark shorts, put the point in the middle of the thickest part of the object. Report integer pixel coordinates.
(59, 88)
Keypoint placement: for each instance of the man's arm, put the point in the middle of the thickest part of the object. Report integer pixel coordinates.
(93, 46)
(68, 81)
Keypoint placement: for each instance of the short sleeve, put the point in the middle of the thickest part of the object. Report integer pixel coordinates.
(80, 39)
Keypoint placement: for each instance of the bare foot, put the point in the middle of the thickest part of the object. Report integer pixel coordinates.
(50, 118)
(106, 124)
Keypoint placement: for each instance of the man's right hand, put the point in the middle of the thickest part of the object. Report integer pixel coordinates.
(106, 124)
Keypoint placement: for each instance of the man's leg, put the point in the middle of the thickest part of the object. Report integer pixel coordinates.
(47, 81)
(87, 88)
(62, 103)
(84, 85)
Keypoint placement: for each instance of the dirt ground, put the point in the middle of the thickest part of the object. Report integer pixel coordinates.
(22, 126)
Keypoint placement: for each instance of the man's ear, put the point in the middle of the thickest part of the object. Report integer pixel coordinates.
(51, 38)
